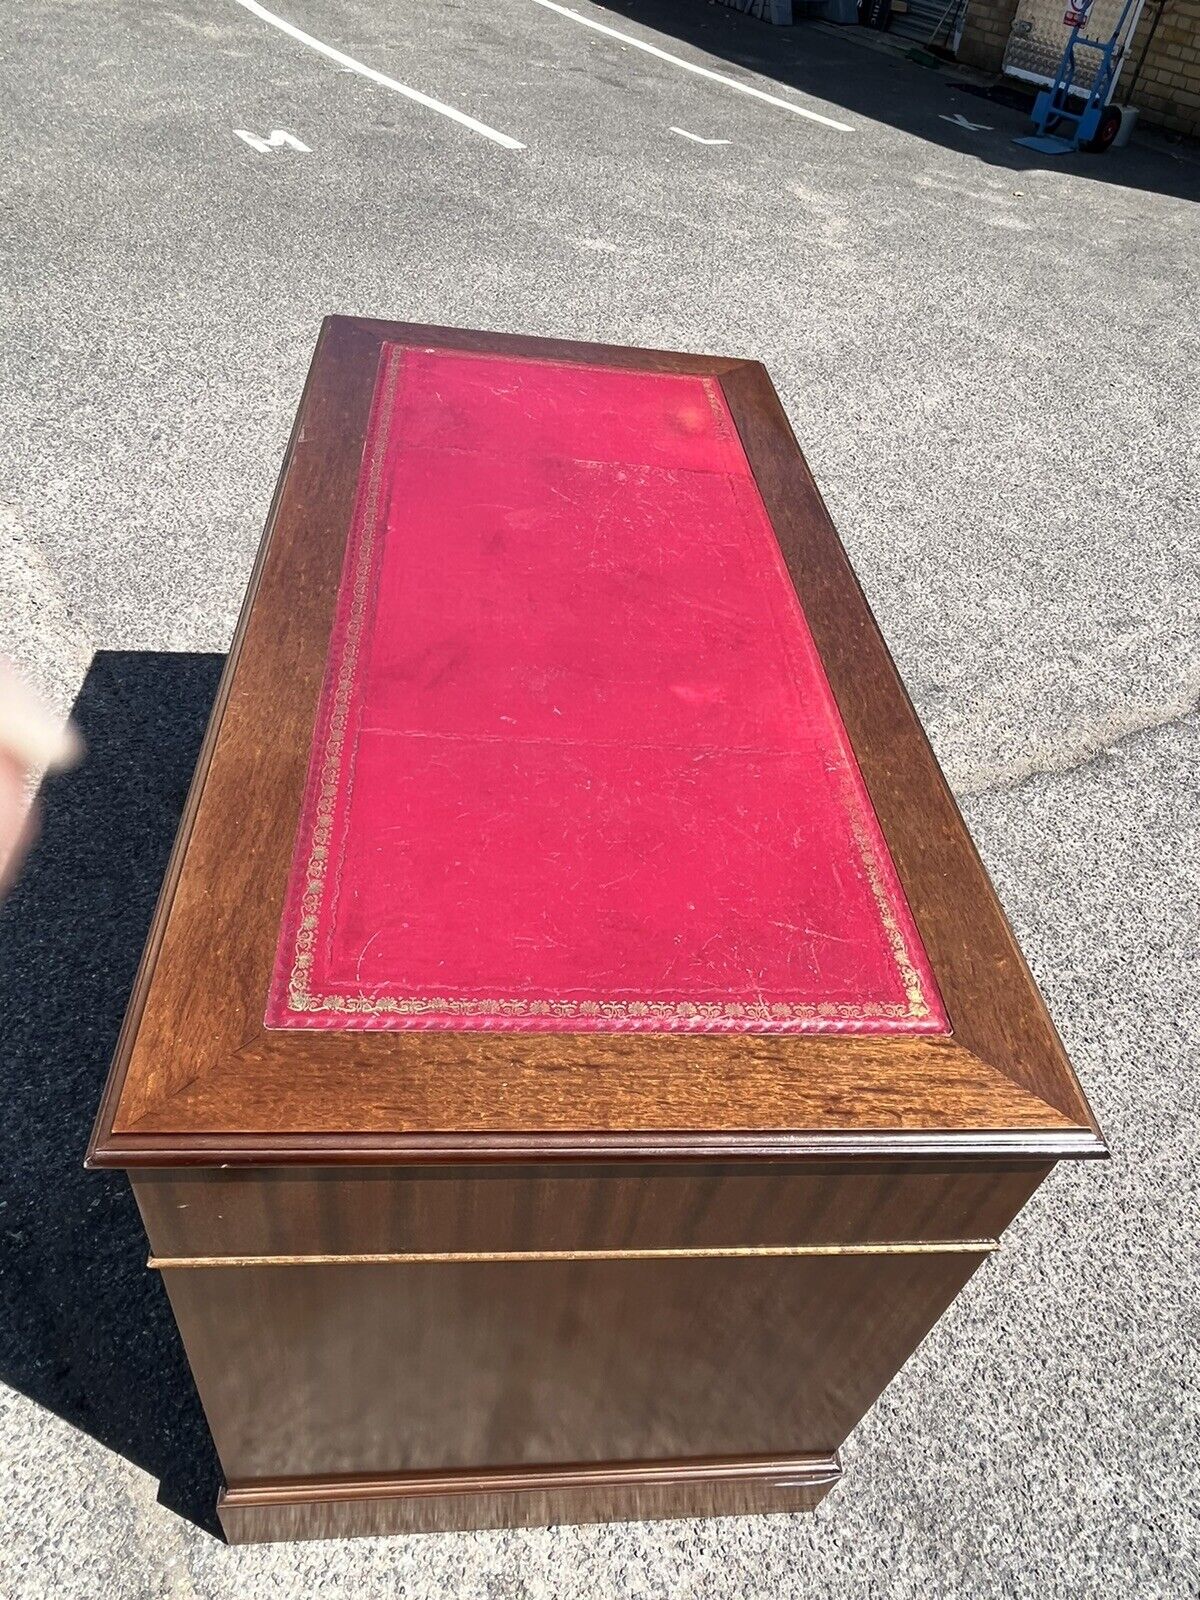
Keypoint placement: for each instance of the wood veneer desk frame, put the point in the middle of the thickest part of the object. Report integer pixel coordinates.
(259, 1153)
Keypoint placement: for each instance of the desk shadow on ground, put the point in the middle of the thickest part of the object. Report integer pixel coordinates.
(85, 1329)
(883, 86)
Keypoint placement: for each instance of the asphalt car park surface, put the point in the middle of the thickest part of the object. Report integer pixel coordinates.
(990, 365)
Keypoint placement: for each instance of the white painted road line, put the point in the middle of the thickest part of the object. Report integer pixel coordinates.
(695, 137)
(275, 140)
(690, 66)
(380, 78)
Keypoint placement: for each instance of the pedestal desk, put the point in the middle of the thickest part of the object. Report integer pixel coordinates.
(578, 1053)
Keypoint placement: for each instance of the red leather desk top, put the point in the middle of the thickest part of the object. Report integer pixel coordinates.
(576, 763)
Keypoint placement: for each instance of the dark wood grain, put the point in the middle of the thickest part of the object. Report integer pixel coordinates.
(337, 1211)
(433, 1502)
(994, 1005)
(356, 1368)
(147, 1152)
(196, 1078)
(366, 1398)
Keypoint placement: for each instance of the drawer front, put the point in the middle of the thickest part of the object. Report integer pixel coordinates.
(334, 1213)
(443, 1364)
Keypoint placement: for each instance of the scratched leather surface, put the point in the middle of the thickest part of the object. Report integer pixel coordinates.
(576, 764)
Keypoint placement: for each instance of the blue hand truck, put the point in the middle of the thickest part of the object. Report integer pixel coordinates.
(1098, 123)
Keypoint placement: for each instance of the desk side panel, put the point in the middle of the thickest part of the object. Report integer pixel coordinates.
(436, 1365)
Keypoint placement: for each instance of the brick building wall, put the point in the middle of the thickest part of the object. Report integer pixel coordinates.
(1166, 90)
(985, 33)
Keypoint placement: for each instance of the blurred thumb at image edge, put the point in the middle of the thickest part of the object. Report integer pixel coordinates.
(29, 733)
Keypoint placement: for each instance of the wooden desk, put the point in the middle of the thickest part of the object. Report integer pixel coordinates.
(578, 1053)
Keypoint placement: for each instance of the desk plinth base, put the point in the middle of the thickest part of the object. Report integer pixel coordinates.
(523, 1497)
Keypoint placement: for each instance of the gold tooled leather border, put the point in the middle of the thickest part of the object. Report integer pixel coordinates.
(300, 997)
